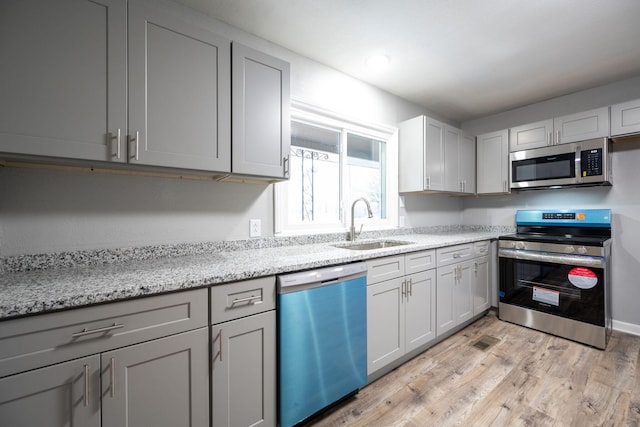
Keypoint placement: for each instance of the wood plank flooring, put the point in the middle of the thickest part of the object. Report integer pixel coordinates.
(528, 378)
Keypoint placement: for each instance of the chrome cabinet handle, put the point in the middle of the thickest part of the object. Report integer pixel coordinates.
(285, 167)
(112, 367)
(428, 182)
(86, 385)
(136, 154)
(404, 288)
(457, 255)
(86, 331)
(550, 139)
(250, 299)
(410, 287)
(117, 138)
(558, 137)
(219, 337)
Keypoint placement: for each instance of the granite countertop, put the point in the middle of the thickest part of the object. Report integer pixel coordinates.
(40, 291)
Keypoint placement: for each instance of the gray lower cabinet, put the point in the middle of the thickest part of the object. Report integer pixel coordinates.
(261, 125)
(160, 383)
(400, 306)
(243, 354)
(137, 363)
(62, 395)
(463, 281)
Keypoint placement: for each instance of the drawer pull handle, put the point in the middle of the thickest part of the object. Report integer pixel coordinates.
(86, 385)
(86, 331)
(252, 299)
(112, 366)
(457, 255)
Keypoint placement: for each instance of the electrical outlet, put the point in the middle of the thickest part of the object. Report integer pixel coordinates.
(255, 228)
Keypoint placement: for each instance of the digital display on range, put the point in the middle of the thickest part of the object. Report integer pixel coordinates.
(558, 215)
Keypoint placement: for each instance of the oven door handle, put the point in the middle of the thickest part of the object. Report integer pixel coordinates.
(553, 258)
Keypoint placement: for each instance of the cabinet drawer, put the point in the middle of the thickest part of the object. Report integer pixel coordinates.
(239, 299)
(45, 339)
(481, 248)
(381, 269)
(420, 261)
(453, 254)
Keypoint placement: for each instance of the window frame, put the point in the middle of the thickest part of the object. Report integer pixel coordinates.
(305, 113)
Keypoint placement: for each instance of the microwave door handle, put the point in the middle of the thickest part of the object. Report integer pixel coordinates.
(578, 164)
(582, 261)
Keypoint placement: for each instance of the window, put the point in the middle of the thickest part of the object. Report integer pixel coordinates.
(334, 161)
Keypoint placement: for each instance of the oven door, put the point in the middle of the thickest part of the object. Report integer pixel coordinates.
(564, 285)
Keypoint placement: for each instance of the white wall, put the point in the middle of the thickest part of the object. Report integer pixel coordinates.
(623, 198)
(52, 211)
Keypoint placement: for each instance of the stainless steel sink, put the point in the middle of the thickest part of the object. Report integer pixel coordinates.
(366, 246)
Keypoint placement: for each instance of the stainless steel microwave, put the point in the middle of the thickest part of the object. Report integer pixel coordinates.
(581, 163)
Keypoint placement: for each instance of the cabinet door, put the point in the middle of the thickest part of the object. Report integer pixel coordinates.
(62, 395)
(63, 80)
(411, 157)
(243, 372)
(493, 162)
(434, 144)
(179, 92)
(463, 293)
(467, 163)
(581, 126)
(420, 309)
(451, 160)
(445, 291)
(385, 323)
(532, 135)
(261, 125)
(160, 383)
(481, 297)
(625, 118)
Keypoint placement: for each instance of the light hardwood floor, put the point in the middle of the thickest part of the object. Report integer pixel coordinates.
(527, 379)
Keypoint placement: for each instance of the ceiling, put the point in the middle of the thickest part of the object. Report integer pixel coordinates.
(462, 59)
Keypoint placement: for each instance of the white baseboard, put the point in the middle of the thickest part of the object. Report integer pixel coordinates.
(629, 328)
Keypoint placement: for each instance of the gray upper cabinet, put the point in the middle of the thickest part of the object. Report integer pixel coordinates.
(434, 156)
(492, 162)
(532, 135)
(179, 99)
(561, 130)
(467, 164)
(625, 118)
(72, 62)
(63, 80)
(261, 129)
(582, 126)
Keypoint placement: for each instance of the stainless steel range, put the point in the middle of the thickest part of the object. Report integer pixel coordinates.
(555, 273)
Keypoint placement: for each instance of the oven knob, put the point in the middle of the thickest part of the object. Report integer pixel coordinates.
(520, 245)
(582, 250)
(569, 249)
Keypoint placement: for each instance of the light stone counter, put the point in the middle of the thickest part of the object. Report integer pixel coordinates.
(39, 291)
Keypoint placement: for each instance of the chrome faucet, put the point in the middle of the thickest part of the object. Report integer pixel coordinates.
(352, 230)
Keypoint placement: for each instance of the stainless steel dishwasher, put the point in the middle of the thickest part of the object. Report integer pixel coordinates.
(322, 339)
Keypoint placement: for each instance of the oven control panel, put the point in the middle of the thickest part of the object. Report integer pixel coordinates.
(559, 215)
